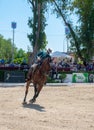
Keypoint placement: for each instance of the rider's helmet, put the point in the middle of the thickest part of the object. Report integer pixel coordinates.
(49, 50)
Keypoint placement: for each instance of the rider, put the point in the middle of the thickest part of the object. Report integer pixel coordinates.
(40, 57)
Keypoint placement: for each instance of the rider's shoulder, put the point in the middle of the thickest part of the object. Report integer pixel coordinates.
(39, 53)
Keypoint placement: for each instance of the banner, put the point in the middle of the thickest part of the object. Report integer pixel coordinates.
(80, 77)
(14, 77)
(91, 78)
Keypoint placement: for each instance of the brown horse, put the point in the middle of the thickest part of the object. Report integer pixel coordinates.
(38, 78)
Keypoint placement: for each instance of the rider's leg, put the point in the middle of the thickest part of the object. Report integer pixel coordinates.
(30, 72)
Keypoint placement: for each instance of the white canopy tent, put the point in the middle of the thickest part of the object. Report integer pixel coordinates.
(59, 56)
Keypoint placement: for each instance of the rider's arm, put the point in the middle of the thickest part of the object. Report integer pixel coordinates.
(40, 53)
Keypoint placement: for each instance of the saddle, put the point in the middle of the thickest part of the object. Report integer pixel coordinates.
(31, 71)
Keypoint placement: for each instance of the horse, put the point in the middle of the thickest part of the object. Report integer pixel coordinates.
(38, 78)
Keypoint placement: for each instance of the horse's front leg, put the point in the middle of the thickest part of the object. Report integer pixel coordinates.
(35, 92)
(26, 91)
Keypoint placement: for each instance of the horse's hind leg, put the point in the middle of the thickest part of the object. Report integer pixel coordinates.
(26, 91)
(37, 90)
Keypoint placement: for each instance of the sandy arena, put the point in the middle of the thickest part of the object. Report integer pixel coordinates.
(56, 108)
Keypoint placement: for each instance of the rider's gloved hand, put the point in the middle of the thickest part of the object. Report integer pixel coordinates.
(38, 58)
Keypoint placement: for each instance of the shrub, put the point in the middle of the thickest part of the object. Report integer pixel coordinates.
(62, 77)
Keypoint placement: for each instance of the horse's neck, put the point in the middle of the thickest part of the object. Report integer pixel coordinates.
(44, 67)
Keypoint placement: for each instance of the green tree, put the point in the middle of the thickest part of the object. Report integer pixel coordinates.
(63, 10)
(82, 34)
(20, 56)
(85, 12)
(5, 48)
(20, 53)
(37, 23)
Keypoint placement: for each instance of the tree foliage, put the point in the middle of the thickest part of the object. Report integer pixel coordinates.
(6, 47)
(37, 23)
(85, 12)
(81, 34)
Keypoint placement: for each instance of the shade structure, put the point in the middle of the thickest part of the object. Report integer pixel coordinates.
(59, 56)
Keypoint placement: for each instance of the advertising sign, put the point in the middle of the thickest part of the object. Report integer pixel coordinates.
(91, 78)
(80, 77)
(14, 77)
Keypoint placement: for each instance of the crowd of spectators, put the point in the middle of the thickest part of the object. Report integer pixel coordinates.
(63, 65)
(69, 65)
(13, 66)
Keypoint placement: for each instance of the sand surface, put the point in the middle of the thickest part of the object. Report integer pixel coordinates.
(56, 108)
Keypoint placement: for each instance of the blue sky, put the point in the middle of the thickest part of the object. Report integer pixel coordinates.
(19, 11)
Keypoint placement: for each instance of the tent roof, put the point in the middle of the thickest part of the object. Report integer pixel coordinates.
(60, 54)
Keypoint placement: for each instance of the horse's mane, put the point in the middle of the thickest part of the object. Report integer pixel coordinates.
(42, 69)
(45, 66)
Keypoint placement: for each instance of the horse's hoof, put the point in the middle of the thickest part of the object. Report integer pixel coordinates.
(24, 103)
(32, 100)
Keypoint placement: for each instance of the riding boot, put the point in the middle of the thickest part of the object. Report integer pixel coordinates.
(29, 75)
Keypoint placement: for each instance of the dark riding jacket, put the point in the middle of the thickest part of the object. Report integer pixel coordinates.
(43, 55)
